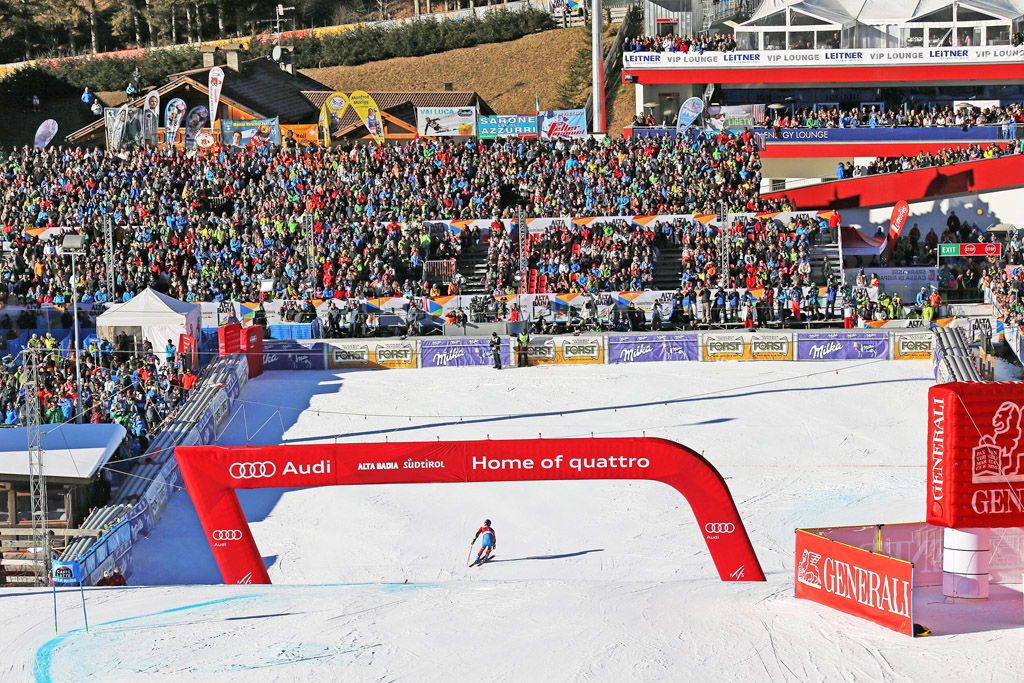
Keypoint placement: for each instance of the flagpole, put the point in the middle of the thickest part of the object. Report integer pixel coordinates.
(54, 584)
(84, 615)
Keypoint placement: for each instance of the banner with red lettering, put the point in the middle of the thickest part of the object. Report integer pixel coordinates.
(975, 454)
(212, 474)
(900, 212)
(188, 349)
(858, 582)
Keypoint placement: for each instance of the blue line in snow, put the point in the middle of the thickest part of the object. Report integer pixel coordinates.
(44, 656)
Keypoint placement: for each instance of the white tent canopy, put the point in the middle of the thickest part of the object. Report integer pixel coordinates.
(73, 453)
(152, 316)
(883, 11)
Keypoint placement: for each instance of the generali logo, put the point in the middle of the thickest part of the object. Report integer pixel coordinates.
(846, 580)
(997, 457)
(808, 572)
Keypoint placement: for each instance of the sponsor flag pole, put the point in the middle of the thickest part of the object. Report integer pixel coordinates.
(54, 584)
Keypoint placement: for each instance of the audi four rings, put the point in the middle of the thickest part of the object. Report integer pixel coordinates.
(227, 535)
(726, 528)
(252, 470)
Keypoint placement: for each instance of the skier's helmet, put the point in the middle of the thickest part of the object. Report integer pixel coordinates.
(487, 522)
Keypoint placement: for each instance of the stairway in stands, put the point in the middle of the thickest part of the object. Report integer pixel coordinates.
(472, 265)
(668, 269)
(818, 254)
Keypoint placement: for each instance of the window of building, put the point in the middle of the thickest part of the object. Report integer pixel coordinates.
(774, 19)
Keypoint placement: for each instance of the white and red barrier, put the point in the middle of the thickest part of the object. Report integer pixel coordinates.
(213, 474)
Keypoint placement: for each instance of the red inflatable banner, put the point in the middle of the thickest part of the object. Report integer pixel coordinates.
(875, 587)
(211, 475)
(900, 212)
(975, 455)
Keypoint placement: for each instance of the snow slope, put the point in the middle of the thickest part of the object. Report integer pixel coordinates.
(604, 581)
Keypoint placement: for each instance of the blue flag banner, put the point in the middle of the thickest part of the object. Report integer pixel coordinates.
(688, 113)
(66, 572)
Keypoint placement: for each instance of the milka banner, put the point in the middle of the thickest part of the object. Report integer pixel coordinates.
(460, 352)
(173, 116)
(369, 113)
(151, 118)
(216, 83)
(445, 121)
(571, 123)
(839, 346)
(507, 127)
(195, 123)
(45, 133)
(253, 133)
(646, 348)
(768, 59)
(688, 113)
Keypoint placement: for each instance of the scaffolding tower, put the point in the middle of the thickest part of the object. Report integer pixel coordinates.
(40, 552)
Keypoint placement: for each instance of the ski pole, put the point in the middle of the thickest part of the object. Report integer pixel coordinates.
(470, 557)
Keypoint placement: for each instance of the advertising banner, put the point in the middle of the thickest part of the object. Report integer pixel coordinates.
(913, 346)
(570, 123)
(975, 472)
(331, 113)
(861, 583)
(371, 354)
(514, 126)
(765, 346)
(467, 351)
(768, 59)
(647, 348)
(906, 282)
(565, 350)
(253, 133)
(839, 346)
(880, 134)
(115, 120)
(151, 118)
(64, 573)
(445, 121)
(900, 212)
(45, 133)
(688, 113)
(305, 354)
(369, 113)
(213, 475)
(724, 347)
(735, 116)
(194, 124)
(173, 116)
(215, 84)
(304, 134)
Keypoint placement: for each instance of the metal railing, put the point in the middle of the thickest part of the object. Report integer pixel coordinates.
(439, 270)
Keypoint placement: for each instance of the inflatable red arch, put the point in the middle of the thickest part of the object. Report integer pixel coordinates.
(212, 474)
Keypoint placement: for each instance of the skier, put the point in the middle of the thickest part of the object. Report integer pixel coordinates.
(488, 543)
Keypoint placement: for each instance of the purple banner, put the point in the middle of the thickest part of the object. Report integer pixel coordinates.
(293, 355)
(466, 351)
(839, 346)
(646, 348)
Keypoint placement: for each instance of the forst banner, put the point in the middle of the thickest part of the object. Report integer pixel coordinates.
(975, 464)
(371, 354)
(514, 126)
(868, 585)
(570, 123)
(759, 346)
(213, 474)
(648, 348)
(565, 350)
(445, 121)
(464, 352)
(913, 346)
(254, 133)
(835, 346)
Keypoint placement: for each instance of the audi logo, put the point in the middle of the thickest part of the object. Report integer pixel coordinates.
(227, 535)
(252, 470)
(720, 528)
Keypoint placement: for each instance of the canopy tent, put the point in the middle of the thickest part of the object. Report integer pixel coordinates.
(856, 243)
(849, 12)
(151, 316)
(73, 453)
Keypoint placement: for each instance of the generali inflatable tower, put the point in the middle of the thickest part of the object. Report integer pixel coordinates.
(975, 475)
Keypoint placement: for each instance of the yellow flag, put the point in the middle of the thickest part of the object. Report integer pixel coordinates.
(368, 111)
(330, 115)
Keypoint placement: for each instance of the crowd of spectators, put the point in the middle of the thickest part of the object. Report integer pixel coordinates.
(943, 157)
(1006, 117)
(624, 177)
(719, 42)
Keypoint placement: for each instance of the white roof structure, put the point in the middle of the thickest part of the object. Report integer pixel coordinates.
(152, 315)
(72, 452)
(849, 12)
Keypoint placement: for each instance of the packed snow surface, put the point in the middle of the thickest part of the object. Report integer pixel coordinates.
(592, 580)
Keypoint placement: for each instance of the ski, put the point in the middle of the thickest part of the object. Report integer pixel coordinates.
(482, 561)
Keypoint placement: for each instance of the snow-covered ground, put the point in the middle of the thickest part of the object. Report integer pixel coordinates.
(603, 581)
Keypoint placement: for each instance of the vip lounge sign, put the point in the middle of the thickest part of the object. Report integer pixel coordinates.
(953, 250)
(868, 585)
(976, 454)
